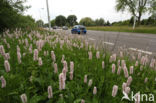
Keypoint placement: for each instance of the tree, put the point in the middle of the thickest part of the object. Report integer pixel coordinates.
(71, 20)
(40, 23)
(46, 25)
(131, 20)
(53, 23)
(25, 22)
(108, 23)
(60, 20)
(87, 21)
(11, 15)
(153, 8)
(136, 7)
(17, 5)
(153, 12)
(99, 22)
(143, 22)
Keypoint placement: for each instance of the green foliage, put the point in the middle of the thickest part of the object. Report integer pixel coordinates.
(11, 15)
(121, 23)
(99, 22)
(46, 25)
(108, 23)
(71, 20)
(33, 80)
(60, 20)
(151, 21)
(87, 21)
(53, 23)
(25, 22)
(17, 5)
(40, 23)
(136, 7)
(131, 21)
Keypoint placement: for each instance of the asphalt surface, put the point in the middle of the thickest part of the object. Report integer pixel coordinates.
(139, 42)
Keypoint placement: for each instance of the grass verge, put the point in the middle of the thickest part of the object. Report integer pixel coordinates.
(140, 29)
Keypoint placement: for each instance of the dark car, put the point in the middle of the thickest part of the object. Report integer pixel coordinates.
(79, 29)
(65, 28)
(55, 27)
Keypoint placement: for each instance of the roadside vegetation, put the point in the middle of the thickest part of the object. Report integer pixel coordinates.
(11, 15)
(46, 67)
(140, 29)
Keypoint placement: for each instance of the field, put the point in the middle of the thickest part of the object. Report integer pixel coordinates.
(140, 29)
(46, 67)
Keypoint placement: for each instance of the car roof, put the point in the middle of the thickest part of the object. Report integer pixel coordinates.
(81, 26)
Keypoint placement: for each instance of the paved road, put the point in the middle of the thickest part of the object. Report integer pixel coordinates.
(145, 43)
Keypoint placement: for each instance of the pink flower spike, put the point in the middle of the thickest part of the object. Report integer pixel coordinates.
(53, 56)
(103, 64)
(71, 75)
(125, 72)
(129, 80)
(7, 66)
(90, 55)
(61, 81)
(94, 91)
(113, 68)
(131, 69)
(35, 55)
(50, 92)
(82, 101)
(24, 98)
(115, 90)
(3, 82)
(71, 66)
(90, 82)
(55, 68)
(85, 79)
(98, 55)
(119, 70)
(40, 61)
(124, 85)
(146, 80)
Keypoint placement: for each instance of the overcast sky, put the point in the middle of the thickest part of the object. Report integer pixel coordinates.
(80, 8)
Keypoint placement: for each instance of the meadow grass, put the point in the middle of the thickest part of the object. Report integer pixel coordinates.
(140, 29)
(33, 80)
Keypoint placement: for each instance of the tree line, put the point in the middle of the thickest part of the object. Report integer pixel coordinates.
(11, 15)
(71, 20)
(150, 21)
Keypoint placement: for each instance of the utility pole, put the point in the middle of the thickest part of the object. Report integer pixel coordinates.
(134, 22)
(48, 15)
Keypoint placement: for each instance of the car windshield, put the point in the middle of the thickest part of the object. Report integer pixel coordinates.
(82, 27)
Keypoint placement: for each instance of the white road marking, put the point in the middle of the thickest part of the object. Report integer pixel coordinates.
(91, 39)
(139, 50)
(109, 43)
